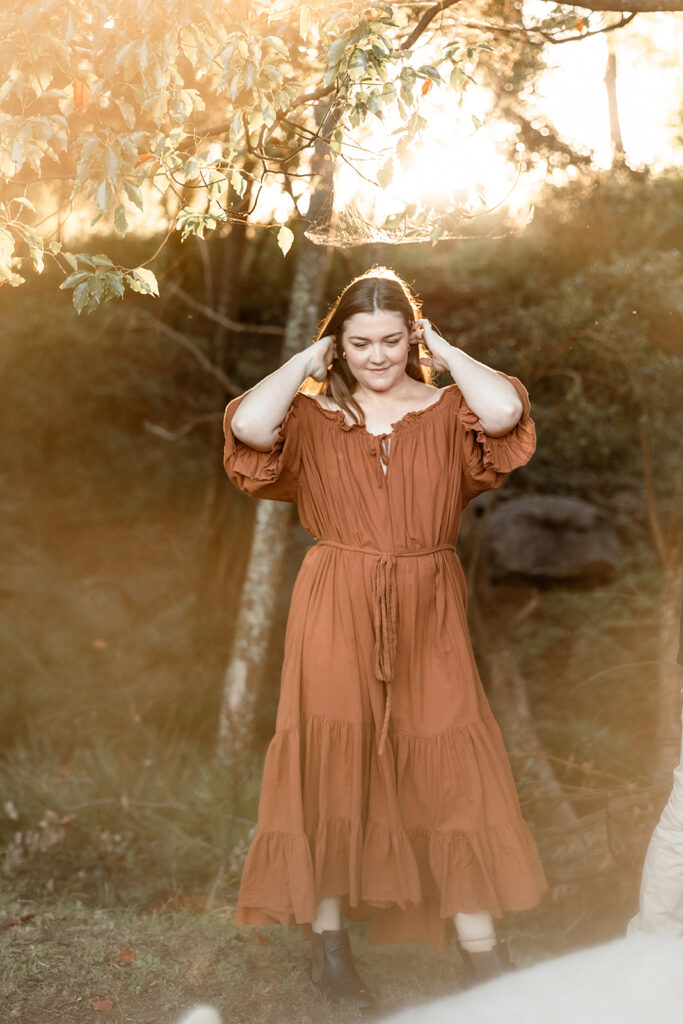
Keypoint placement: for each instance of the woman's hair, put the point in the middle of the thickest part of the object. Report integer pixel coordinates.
(377, 289)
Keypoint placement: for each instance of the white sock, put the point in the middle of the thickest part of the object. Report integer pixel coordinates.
(329, 915)
(475, 931)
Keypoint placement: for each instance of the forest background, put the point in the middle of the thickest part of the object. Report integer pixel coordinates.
(169, 245)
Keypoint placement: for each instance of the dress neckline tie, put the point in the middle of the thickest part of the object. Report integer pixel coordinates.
(380, 445)
(385, 615)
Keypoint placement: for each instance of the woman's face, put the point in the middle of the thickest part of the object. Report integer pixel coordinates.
(376, 346)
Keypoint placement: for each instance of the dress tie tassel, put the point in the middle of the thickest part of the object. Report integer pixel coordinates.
(385, 607)
(380, 449)
(385, 616)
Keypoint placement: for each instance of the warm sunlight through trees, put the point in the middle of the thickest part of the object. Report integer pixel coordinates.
(139, 116)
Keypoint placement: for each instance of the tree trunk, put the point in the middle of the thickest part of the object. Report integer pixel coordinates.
(618, 155)
(272, 520)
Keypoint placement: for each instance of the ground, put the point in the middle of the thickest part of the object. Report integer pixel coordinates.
(61, 960)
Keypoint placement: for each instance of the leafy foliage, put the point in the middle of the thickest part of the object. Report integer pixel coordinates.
(132, 104)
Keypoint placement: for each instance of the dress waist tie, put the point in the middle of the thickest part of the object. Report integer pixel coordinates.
(385, 610)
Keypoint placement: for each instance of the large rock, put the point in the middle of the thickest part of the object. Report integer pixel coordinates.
(550, 537)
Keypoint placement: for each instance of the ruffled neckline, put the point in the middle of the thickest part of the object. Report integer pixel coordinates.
(406, 421)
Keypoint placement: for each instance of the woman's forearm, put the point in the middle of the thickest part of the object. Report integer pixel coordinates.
(261, 413)
(489, 395)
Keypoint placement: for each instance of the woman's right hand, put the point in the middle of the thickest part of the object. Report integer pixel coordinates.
(320, 356)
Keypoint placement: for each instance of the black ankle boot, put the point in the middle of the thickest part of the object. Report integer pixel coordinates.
(332, 968)
(487, 965)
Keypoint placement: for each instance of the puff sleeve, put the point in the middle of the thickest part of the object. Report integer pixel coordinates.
(273, 474)
(487, 460)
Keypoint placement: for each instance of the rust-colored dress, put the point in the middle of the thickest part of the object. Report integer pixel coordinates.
(387, 783)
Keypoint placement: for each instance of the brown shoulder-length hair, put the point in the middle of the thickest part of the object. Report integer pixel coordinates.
(377, 289)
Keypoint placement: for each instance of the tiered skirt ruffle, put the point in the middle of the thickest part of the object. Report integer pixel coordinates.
(406, 840)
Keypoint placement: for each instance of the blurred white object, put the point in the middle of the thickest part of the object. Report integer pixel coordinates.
(634, 980)
(201, 1015)
(661, 888)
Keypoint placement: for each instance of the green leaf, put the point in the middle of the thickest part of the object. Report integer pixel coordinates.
(81, 296)
(103, 195)
(127, 112)
(147, 280)
(277, 44)
(133, 193)
(111, 162)
(238, 183)
(115, 284)
(431, 72)
(23, 201)
(6, 246)
(120, 222)
(336, 142)
(358, 64)
(336, 51)
(73, 279)
(386, 173)
(285, 237)
(95, 286)
(102, 260)
(304, 21)
(329, 75)
(457, 78)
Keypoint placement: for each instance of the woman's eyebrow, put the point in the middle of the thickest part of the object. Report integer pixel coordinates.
(358, 337)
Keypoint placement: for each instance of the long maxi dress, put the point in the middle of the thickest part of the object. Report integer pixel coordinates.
(386, 783)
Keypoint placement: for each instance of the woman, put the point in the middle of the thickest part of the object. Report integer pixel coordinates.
(387, 793)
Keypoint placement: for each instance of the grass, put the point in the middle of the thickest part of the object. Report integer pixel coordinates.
(118, 883)
(59, 956)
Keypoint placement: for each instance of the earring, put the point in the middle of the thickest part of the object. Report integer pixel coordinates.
(343, 355)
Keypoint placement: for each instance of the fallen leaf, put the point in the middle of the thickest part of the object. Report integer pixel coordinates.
(127, 955)
(18, 920)
(103, 1005)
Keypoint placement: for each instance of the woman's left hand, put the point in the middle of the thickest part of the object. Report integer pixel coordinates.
(423, 333)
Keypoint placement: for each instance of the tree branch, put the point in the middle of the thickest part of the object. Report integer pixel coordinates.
(218, 318)
(526, 31)
(187, 427)
(424, 21)
(631, 6)
(144, 319)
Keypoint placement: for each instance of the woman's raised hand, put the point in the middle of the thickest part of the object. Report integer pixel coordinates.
(423, 333)
(320, 356)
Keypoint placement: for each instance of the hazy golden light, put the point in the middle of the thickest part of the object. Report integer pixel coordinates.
(457, 163)
(649, 89)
